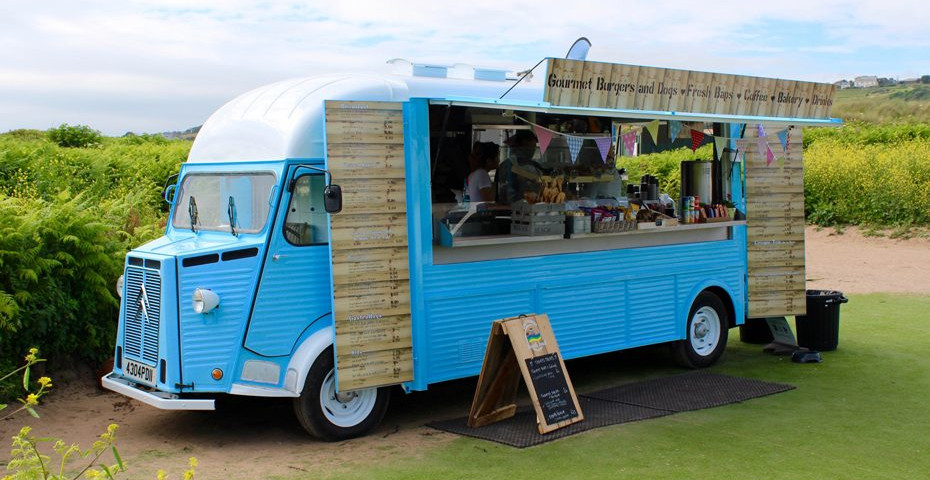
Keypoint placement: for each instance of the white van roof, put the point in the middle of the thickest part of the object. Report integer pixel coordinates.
(285, 119)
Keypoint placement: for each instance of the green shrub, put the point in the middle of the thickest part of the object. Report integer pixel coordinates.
(666, 166)
(67, 218)
(75, 136)
(881, 184)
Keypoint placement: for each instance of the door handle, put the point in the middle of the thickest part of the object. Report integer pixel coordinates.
(277, 257)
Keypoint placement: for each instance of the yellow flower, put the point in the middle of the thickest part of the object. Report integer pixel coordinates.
(192, 462)
(32, 399)
(93, 473)
(189, 475)
(161, 475)
(45, 382)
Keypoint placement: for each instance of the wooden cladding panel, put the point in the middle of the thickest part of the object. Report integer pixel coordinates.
(577, 83)
(775, 227)
(371, 264)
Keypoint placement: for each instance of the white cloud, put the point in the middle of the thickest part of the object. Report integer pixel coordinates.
(178, 53)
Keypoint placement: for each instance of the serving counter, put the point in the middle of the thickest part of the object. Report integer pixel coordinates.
(496, 247)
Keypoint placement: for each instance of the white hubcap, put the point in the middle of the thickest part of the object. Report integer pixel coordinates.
(705, 331)
(346, 409)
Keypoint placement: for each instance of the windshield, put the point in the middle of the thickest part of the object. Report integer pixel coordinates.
(206, 202)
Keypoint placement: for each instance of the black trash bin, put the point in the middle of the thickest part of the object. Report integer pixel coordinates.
(820, 328)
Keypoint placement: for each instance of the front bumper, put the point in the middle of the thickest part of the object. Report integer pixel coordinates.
(162, 400)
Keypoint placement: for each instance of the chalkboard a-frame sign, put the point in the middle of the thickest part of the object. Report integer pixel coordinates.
(529, 350)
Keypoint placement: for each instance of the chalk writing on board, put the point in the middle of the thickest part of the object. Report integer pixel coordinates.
(552, 390)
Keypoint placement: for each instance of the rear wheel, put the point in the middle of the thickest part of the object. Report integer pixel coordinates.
(333, 416)
(706, 334)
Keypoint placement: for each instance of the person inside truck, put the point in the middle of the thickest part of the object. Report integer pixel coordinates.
(519, 173)
(483, 159)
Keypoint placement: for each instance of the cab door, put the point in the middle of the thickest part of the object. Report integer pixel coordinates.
(294, 290)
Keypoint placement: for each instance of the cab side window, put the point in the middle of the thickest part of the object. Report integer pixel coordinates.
(306, 218)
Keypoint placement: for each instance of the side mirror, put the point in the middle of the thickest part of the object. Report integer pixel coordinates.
(332, 198)
(169, 193)
(171, 187)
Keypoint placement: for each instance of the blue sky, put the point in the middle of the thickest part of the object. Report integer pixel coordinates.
(151, 66)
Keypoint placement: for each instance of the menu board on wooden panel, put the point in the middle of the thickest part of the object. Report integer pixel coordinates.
(775, 227)
(371, 266)
(577, 83)
(530, 350)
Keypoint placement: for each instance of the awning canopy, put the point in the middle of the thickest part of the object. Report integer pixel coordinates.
(545, 107)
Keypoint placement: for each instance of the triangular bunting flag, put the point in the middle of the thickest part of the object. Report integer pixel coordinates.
(783, 138)
(653, 128)
(697, 137)
(574, 146)
(544, 136)
(761, 146)
(674, 127)
(761, 131)
(742, 146)
(603, 145)
(769, 155)
(719, 144)
(629, 142)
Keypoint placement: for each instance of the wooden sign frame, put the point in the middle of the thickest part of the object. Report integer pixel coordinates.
(370, 257)
(580, 83)
(530, 348)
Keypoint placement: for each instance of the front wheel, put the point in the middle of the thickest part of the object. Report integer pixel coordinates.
(333, 416)
(706, 335)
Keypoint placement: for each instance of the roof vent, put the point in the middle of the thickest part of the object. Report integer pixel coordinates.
(461, 71)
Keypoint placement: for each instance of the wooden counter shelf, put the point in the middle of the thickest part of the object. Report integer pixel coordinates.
(677, 228)
(515, 246)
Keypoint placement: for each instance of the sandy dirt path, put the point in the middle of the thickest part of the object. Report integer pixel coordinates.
(250, 438)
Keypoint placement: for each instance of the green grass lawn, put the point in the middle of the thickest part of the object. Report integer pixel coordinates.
(862, 413)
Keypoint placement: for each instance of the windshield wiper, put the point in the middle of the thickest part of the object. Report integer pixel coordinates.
(231, 211)
(192, 211)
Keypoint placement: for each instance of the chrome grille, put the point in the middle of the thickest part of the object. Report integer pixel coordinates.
(141, 331)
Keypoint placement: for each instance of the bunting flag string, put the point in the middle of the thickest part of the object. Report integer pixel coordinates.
(653, 129)
(544, 136)
(629, 142)
(574, 146)
(603, 145)
(674, 128)
(697, 137)
(783, 138)
(719, 144)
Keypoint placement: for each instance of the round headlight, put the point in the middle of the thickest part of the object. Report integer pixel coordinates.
(119, 286)
(204, 300)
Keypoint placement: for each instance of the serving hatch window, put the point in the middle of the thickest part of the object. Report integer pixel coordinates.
(231, 202)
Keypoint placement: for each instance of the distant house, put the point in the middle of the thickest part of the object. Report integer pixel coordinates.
(910, 81)
(866, 81)
(843, 84)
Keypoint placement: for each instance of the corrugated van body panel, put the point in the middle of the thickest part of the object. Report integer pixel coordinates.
(213, 340)
(302, 285)
(597, 301)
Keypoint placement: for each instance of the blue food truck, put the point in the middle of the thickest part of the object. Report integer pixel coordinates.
(322, 244)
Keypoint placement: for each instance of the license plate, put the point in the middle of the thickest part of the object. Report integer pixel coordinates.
(140, 372)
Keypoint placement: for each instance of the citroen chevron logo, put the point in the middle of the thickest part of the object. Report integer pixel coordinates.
(143, 304)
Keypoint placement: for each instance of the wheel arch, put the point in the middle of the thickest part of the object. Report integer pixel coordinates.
(305, 355)
(722, 293)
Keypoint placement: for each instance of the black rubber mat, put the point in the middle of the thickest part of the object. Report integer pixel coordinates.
(625, 403)
(520, 430)
(689, 391)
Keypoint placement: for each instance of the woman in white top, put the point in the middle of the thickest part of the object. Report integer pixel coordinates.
(484, 158)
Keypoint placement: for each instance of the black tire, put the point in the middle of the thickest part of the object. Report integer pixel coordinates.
(706, 335)
(325, 419)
